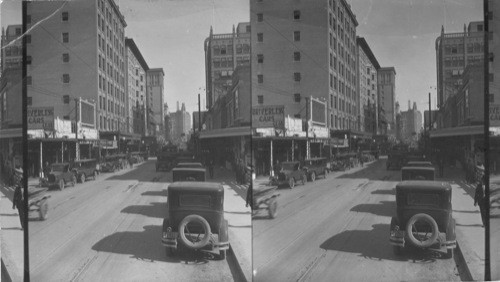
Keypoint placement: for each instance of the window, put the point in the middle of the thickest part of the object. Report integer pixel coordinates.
(296, 97)
(260, 17)
(65, 99)
(296, 56)
(260, 99)
(260, 58)
(28, 60)
(65, 16)
(28, 38)
(296, 36)
(30, 101)
(492, 98)
(65, 58)
(491, 77)
(296, 76)
(65, 78)
(29, 80)
(260, 78)
(28, 19)
(260, 37)
(65, 37)
(296, 116)
(296, 15)
(479, 27)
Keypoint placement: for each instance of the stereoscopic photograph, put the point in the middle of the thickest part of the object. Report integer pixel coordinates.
(249, 140)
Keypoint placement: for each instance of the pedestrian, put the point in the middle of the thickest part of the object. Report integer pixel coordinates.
(249, 200)
(211, 169)
(18, 202)
(479, 198)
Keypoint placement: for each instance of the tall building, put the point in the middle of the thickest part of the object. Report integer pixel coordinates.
(454, 51)
(11, 52)
(82, 43)
(387, 99)
(223, 53)
(411, 125)
(366, 74)
(155, 102)
(136, 88)
(302, 49)
(181, 123)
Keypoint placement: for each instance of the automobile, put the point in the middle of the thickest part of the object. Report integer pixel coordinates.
(289, 174)
(419, 163)
(395, 159)
(164, 161)
(184, 159)
(60, 174)
(195, 219)
(315, 167)
(84, 169)
(418, 173)
(189, 165)
(111, 163)
(188, 174)
(423, 217)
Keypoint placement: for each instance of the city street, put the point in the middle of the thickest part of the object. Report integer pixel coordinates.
(110, 229)
(338, 229)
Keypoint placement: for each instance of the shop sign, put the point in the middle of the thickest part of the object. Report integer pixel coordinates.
(494, 114)
(40, 118)
(268, 116)
(108, 144)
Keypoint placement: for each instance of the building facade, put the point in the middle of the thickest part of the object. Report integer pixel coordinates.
(494, 62)
(11, 52)
(223, 53)
(136, 88)
(304, 49)
(455, 51)
(367, 75)
(181, 124)
(387, 99)
(411, 125)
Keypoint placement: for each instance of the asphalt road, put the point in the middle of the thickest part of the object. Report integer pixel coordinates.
(110, 230)
(337, 229)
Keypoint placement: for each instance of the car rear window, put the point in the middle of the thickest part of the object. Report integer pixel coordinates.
(195, 201)
(423, 199)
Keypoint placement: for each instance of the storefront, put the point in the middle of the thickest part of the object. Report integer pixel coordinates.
(226, 146)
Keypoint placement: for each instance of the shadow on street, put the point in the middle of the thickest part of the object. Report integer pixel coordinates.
(156, 209)
(383, 208)
(374, 244)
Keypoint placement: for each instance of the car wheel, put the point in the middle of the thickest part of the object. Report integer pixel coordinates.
(61, 184)
(73, 180)
(313, 176)
(420, 238)
(273, 207)
(44, 206)
(291, 183)
(304, 179)
(194, 243)
(83, 177)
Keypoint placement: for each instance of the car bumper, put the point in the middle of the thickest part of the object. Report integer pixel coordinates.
(169, 240)
(397, 238)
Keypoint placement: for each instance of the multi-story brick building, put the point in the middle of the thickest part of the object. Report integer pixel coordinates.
(367, 69)
(386, 84)
(223, 53)
(154, 102)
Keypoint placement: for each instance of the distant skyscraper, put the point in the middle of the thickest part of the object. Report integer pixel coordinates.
(387, 97)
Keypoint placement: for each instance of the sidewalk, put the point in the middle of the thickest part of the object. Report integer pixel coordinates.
(12, 239)
(239, 218)
(469, 230)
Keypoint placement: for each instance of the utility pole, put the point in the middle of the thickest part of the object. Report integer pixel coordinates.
(307, 128)
(77, 144)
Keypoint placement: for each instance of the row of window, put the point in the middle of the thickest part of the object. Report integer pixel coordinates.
(106, 123)
(112, 106)
(459, 48)
(228, 49)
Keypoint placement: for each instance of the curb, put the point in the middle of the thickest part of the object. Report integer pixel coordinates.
(462, 267)
(234, 266)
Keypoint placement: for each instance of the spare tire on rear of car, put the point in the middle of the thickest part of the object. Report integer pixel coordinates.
(410, 229)
(206, 228)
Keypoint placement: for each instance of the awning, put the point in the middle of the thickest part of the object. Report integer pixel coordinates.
(226, 132)
(11, 133)
(458, 131)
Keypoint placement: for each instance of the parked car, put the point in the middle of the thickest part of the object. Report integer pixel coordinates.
(419, 163)
(396, 159)
(188, 174)
(60, 174)
(289, 174)
(315, 167)
(423, 217)
(195, 218)
(84, 169)
(418, 173)
(112, 163)
(165, 161)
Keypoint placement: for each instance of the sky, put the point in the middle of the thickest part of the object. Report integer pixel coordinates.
(171, 33)
(401, 33)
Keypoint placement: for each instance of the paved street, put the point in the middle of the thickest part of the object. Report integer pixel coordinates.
(338, 229)
(110, 229)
